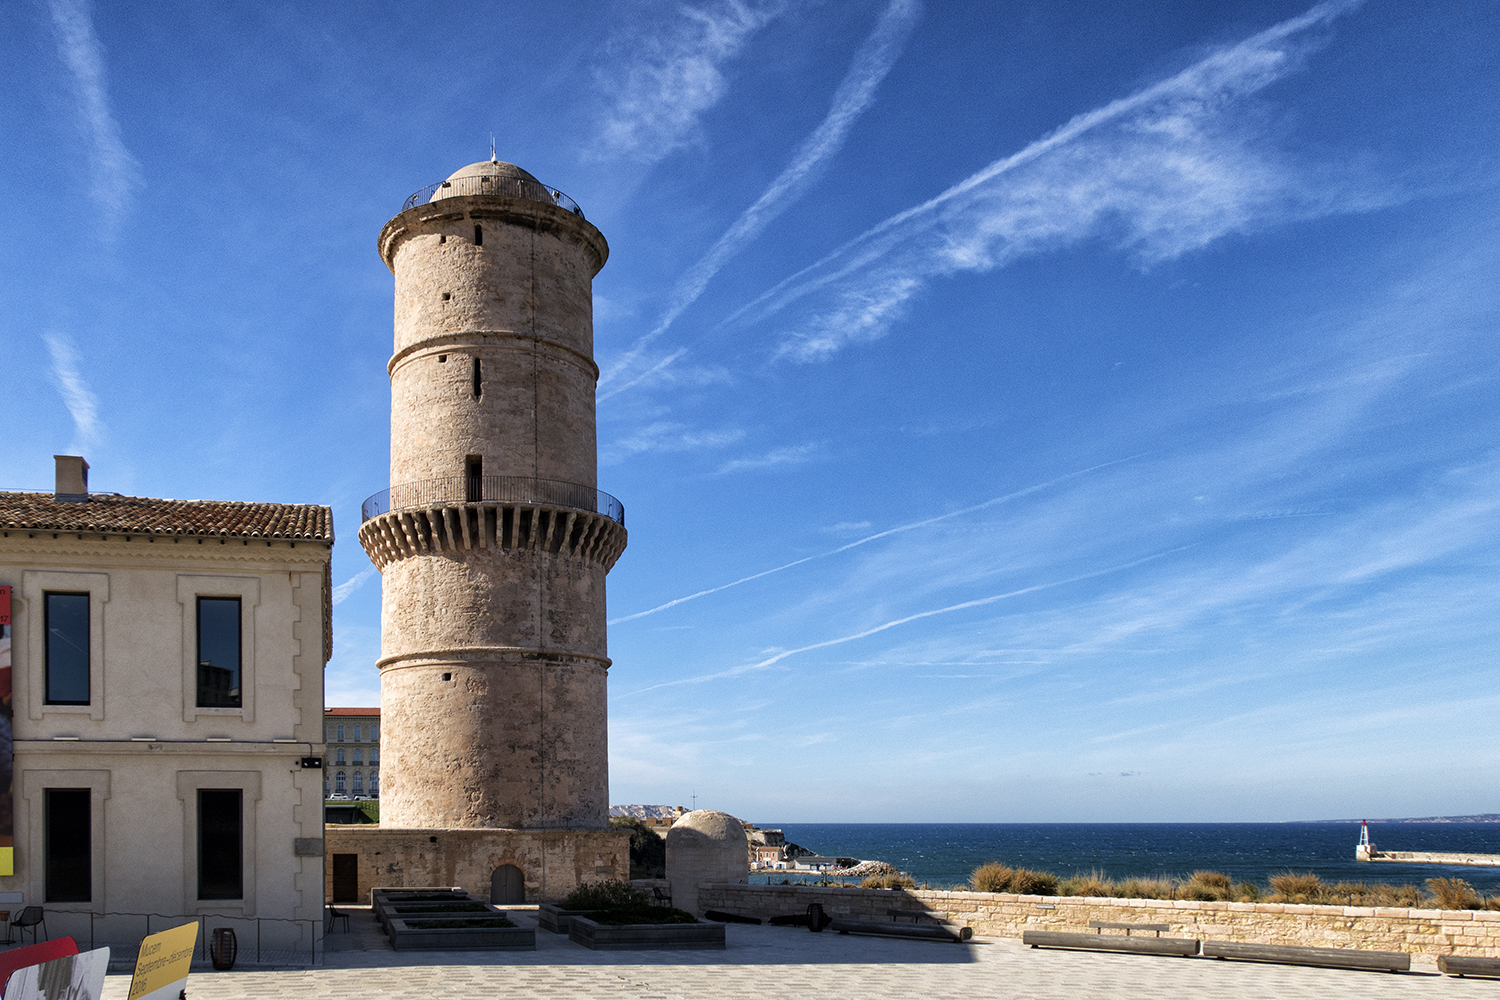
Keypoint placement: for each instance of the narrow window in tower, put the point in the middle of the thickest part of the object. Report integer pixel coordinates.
(479, 236)
(442, 237)
(478, 380)
(473, 479)
(447, 296)
(442, 359)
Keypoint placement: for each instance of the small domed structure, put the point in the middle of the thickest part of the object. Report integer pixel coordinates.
(492, 177)
(705, 845)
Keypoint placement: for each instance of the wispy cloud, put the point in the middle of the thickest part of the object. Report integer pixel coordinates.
(790, 455)
(664, 436)
(77, 396)
(1159, 173)
(877, 536)
(671, 78)
(854, 96)
(342, 591)
(115, 174)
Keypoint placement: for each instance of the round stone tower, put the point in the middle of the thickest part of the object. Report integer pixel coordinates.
(493, 540)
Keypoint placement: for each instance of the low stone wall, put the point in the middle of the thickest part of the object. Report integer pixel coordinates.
(1002, 914)
(552, 862)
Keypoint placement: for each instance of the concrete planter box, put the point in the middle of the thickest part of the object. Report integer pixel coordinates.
(646, 937)
(550, 917)
(408, 938)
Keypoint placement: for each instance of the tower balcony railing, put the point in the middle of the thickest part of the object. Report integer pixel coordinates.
(493, 489)
(504, 187)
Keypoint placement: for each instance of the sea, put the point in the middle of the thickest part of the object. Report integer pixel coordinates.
(944, 854)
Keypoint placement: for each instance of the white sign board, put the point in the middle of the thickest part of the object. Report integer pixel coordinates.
(72, 977)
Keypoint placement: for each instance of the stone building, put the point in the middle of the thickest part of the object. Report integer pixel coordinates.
(353, 765)
(166, 687)
(493, 541)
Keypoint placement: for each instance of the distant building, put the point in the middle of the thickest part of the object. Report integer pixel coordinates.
(165, 673)
(818, 863)
(353, 738)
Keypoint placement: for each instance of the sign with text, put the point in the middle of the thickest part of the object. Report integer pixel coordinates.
(73, 977)
(7, 751)
(161, 969)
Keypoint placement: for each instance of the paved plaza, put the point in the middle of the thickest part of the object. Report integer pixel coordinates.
(779, 963)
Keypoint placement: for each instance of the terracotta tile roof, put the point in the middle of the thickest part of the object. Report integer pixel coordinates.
(113, 514)
(351, 711)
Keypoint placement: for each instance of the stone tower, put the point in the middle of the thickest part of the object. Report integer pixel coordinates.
(493, 540)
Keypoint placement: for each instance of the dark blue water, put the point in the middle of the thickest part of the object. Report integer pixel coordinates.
(945, 853)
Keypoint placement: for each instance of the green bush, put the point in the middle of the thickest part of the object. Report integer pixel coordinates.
(611, 894)
(648, 852)
(644, 915)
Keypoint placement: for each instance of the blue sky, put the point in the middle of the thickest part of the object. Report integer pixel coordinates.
(1083, 411)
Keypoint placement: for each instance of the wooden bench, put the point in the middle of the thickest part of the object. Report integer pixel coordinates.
(1467, 965)
(892, 928)
(1181, 947)
(1099, 926)
(1328, 958)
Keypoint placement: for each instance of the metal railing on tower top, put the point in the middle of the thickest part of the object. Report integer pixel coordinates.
(504, 187)
(493, 489)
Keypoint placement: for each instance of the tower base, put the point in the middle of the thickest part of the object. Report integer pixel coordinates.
(538, 866)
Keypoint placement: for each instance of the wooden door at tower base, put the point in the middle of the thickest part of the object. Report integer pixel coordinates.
(507, 885)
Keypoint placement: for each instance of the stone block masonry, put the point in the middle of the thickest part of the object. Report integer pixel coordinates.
(552, 862)
(1000, 914)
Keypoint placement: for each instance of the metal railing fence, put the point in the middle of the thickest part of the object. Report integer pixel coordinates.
(504, 187)
(492, 489)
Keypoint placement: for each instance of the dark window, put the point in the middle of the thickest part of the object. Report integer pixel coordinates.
(473, 479)
(220, 855)
(70, 876)
(218, 652)
(478, 236)
(67, 623)
(478, 380)
(442, 238)
(338, 756)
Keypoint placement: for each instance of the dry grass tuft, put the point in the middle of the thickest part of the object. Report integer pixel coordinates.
(1025, 882)
(888, 882)
(1296, 887)
(1453, 894)
(992, 877)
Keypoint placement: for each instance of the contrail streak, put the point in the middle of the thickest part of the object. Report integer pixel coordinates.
(771, 661)
(875, 537)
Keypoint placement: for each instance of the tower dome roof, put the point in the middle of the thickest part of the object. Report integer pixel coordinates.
(492, 168)
(493, 177)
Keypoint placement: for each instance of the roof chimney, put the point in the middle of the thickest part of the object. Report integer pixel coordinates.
(72, 479)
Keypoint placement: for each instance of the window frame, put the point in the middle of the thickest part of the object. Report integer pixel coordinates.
(239, 828)
(239, 669)
(189, 589)
(29, 645)
(188, 785)
(88, 647)
(49, 895)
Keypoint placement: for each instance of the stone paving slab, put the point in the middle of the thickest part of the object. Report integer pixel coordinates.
(792, 964)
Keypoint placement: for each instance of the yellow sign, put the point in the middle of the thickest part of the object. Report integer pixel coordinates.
(162, 966)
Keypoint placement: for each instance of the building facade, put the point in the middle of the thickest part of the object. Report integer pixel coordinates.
(352, 768)
(166, 692)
